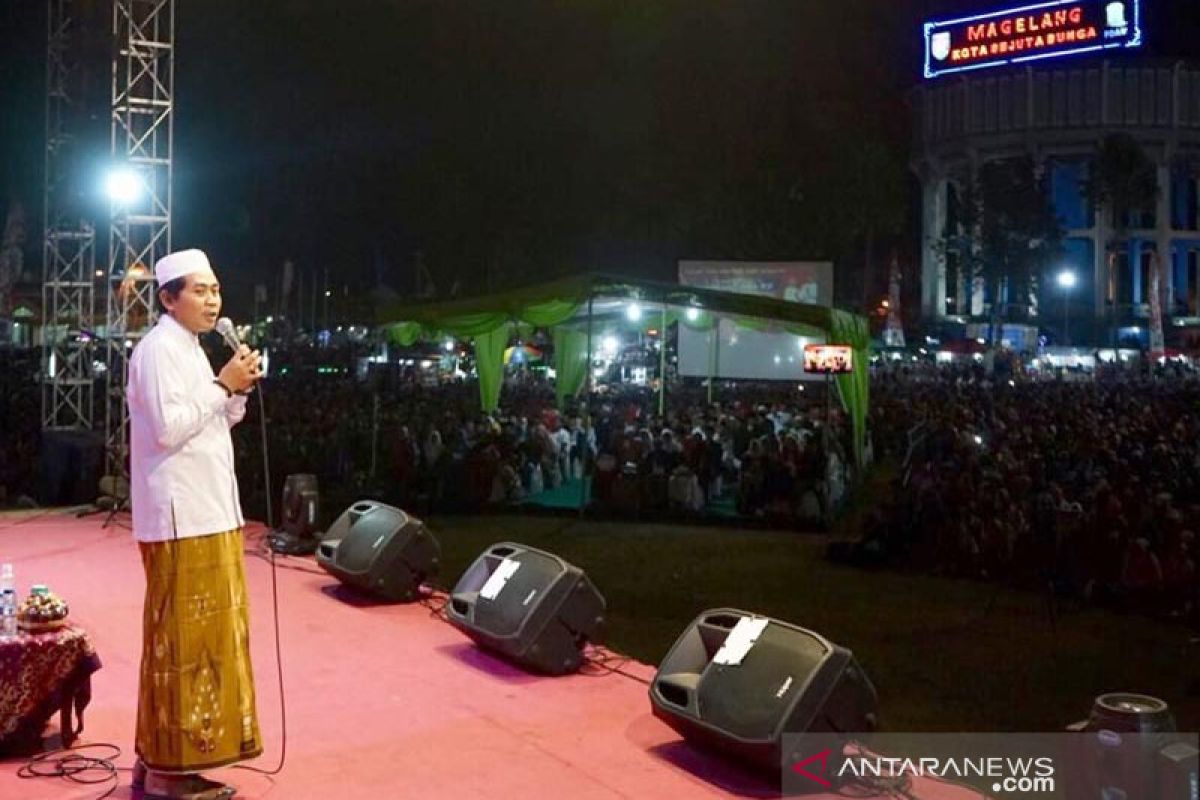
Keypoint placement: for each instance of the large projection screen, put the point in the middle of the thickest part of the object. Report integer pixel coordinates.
(742, 354)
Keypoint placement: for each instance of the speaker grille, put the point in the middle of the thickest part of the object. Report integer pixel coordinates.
(369, 532)
(751, 699)
(504, 615)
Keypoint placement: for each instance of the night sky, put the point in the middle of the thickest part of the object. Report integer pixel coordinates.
(510, 140)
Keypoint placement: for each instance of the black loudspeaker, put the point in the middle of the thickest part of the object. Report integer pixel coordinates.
(381, 550)
(774, 679)
(529, 606)
(297, 534)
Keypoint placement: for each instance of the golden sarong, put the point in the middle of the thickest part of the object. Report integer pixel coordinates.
(196, 697)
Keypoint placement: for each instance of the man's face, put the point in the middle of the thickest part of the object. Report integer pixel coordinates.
(198, 305)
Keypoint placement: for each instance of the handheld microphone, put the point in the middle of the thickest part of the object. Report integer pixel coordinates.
(229, 333)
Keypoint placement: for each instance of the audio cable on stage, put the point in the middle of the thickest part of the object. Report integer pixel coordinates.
(608, 662)
(72, 764)
(262, 426)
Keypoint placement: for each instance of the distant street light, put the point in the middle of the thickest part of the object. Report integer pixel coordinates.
(1066, 281)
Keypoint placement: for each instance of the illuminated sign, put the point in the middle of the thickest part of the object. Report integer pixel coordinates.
(1042, 30)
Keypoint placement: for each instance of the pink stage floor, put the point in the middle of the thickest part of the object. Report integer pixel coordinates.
(383, 701)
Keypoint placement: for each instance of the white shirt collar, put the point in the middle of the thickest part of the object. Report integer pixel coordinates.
(177, 330)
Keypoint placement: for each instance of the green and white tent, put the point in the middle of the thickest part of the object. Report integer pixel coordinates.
(572, 308)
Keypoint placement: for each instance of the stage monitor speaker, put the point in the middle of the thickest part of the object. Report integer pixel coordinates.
(297, 534)
(381, 550)
(774, 678)
(529, 606)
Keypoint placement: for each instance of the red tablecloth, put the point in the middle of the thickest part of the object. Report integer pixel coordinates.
(41, 673)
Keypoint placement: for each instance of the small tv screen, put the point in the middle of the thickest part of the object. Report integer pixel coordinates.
(828, 358)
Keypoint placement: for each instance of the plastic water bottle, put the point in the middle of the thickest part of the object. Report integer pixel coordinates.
(8, 602)
(8, 614)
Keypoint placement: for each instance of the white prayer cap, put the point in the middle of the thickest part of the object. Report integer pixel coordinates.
(176, 265)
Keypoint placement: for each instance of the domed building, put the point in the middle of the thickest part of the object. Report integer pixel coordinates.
(996, 89)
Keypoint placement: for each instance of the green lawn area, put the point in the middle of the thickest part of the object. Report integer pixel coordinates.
(938, 662)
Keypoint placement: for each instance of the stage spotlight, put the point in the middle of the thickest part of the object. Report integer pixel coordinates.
(609, 345)
(124, 186)
(448, 345)
(693, 314)
(634, 312)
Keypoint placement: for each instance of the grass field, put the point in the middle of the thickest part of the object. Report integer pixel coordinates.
(939, 662)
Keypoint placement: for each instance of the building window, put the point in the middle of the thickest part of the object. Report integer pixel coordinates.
(1133, 219)
(1067, 179)
(1185, 299)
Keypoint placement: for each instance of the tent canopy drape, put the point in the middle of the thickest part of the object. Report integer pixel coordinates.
(562, 306)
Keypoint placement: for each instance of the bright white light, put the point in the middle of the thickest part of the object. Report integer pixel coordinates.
(692, 314)
(634, 312)
(777, 359)
(1066, 279)
(270, 319)
(981, 340)
(978, 439)
(124, 186)
(99, 273)
(609, 344)
(327, 293)
(448, 345)
(426, 364)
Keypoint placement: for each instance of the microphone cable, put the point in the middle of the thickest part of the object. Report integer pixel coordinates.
(78, 764)
(262, 427)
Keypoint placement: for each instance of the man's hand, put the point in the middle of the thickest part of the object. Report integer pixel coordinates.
(242, 371)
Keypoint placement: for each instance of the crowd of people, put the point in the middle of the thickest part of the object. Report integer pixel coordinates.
(768, 454)
(1091, 487)
(1087, 488)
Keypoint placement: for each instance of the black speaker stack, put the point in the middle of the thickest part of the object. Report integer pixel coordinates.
(529, 606)
(737, 683)
(297, 534)
(381, 550)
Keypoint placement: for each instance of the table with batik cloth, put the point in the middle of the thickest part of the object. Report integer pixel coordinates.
(41, 673)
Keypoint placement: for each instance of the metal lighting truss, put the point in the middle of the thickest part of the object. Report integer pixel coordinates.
(68, 240)
(143, 73)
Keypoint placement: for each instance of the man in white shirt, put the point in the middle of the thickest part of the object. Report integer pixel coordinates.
(196, 708)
